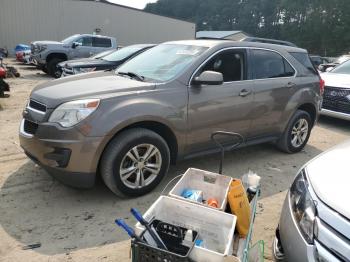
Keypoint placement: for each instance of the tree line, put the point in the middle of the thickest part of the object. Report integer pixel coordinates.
(321, 26)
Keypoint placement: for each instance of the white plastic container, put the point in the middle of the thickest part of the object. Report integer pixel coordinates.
(214, 227)
(213, 186)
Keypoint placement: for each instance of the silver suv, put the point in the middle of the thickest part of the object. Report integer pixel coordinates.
(47, 54)
(162, 107)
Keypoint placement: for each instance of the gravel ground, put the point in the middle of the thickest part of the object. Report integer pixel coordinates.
(77, 225)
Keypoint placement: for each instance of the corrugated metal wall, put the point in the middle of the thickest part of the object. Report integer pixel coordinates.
(24, 21)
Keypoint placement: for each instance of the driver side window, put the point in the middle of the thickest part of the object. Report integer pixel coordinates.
(230, 63)
(85, 41)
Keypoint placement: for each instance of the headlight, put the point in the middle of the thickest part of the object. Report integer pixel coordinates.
(303, 207)
(83, 70)
(71, 113)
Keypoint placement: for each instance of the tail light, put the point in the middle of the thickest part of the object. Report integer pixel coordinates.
(322, 84)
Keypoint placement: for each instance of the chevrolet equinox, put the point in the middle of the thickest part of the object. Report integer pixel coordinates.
(160, 107)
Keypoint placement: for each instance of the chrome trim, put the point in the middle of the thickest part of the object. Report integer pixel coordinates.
(246, 48)
(331, 113)
(332, 240)
(36, 110)
(22, 132)
(322, 254)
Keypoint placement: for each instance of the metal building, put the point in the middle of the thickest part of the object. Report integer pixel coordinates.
(24, 21)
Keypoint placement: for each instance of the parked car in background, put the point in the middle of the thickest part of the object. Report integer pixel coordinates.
(315, 219)
(109, 61)
(318, 60)
(331, 65)
(163, 105)
(48, 54)
(336, 98)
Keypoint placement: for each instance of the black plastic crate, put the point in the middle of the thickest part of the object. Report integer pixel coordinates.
(172, 237)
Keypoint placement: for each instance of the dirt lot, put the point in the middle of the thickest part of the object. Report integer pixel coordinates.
(77, 225)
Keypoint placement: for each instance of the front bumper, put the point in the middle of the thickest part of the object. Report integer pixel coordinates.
(38, 60)
(68, 156)
(289, 244)
(335, 114)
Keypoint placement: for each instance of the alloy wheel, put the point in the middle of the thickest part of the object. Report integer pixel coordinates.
(140, 166)
(299, 132)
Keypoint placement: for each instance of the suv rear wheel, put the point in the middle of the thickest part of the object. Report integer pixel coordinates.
(135, 162)
(297, 133)
(52, 68)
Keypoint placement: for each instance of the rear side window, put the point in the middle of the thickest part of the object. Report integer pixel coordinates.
(269, 64)
(101, 42)
(304, 59)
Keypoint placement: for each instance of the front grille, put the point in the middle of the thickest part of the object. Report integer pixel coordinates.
(335, 99)
(37, 106)
(30, 127)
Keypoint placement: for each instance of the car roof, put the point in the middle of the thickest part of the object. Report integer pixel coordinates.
(94, 35)
(210, 43)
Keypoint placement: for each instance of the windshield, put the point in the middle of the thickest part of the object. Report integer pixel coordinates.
(342, 69)
(69, 39)
(122, 53)
(163, 62)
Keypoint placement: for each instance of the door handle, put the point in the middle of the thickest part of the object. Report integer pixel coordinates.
(290, 85)
(244, 93)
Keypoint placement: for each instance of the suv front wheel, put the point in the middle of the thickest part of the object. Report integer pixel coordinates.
(135, 162)
(297, 133)
(53, 69)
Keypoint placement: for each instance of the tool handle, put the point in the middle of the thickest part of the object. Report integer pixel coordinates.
(138, 216)
(122, 224)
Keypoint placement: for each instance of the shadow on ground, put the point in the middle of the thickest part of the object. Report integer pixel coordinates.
(35, 208)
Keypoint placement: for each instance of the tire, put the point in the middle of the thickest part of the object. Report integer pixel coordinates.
(287, 142)
(44, 69)
(52, 68)
(116, 158)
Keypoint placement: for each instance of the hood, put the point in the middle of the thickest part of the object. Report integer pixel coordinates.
(329, 176)
(46, 42)
(90, 85)
(336, 80)
(88, 62)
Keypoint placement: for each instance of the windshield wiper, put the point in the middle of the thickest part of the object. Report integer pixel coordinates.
(132, 75)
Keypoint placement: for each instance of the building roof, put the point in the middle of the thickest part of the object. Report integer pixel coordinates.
(217, 34)
(136, 9)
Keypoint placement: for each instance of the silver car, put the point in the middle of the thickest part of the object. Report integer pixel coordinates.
(336, 97)
(315, 220)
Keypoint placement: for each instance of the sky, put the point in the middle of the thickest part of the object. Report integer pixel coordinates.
(140, 4)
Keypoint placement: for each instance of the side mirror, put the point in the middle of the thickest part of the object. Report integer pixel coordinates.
(76, 44)
(209, 78)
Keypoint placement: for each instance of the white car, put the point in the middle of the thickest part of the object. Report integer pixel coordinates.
(315, 219)
(336, 98)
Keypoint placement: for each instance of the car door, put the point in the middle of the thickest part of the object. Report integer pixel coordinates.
(225, 107)
(100, 44)
(84, 49)
(274, 84)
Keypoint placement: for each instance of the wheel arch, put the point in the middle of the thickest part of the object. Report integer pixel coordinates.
(56, 55)
(156, 126)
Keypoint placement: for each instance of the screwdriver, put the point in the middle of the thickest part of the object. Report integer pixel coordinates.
(129, 230)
